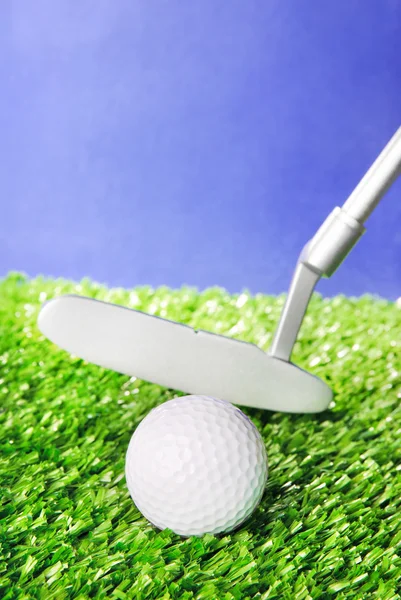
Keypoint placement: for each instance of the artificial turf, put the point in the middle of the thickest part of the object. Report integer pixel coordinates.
(329, 523)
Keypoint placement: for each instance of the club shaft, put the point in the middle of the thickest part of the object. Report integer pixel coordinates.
(378, 179)
(332, 243)
(302, 285)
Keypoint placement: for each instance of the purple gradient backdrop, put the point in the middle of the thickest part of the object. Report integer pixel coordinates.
(194, 142)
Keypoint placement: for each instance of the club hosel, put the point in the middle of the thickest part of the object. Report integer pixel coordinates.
(325, 252)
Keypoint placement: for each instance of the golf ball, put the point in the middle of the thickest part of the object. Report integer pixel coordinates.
(196, 465)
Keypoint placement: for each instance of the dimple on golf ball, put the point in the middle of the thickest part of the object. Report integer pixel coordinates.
(196, 465)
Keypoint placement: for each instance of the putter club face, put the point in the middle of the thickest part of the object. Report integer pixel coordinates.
(176, 356)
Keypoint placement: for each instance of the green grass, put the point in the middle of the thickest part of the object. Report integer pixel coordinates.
(329, 523)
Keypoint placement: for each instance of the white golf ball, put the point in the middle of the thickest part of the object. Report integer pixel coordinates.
(196, 465)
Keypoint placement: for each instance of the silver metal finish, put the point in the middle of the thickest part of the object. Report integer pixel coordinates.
(373, 186)
(302, 286)
(339, 233)
(331, 244)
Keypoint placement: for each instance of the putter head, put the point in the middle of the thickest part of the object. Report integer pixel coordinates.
(176, 356)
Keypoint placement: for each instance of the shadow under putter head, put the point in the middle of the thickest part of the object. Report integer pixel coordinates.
(198, 362)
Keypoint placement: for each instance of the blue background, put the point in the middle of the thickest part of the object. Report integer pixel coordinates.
(199, 142)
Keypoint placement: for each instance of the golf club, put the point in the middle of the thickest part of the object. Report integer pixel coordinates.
(198, 362)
